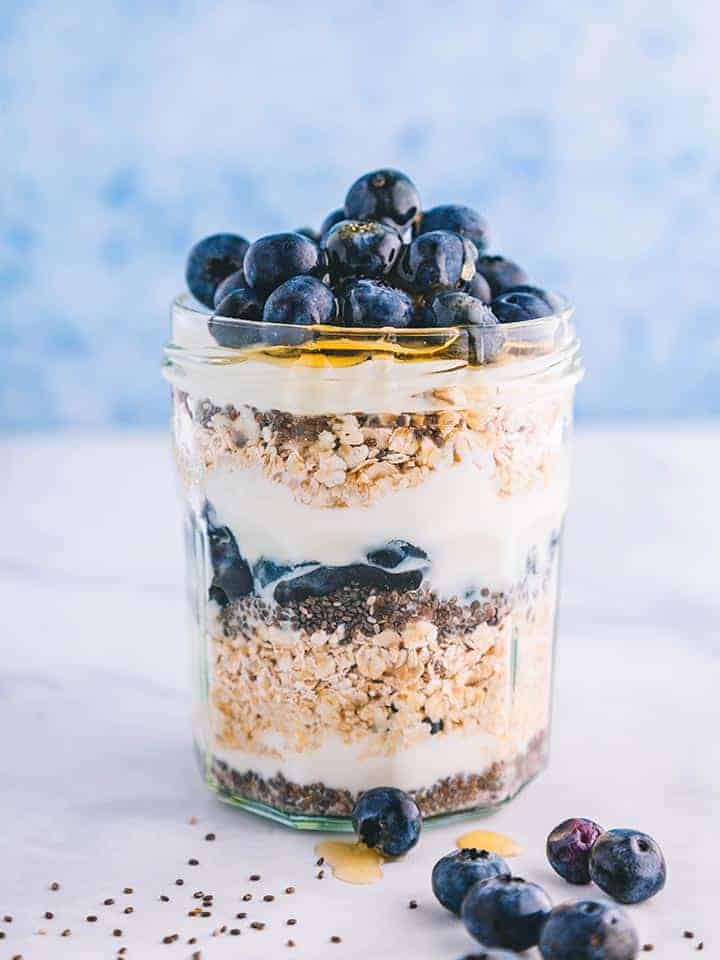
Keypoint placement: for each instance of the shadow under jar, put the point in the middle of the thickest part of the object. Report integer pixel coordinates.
(373, 531)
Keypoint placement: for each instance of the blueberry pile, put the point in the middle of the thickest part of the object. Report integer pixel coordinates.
(506, 913)
(378, 261)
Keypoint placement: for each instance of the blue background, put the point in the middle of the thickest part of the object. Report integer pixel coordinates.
(586, 132)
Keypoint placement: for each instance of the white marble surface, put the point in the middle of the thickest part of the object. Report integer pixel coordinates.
(98, 778)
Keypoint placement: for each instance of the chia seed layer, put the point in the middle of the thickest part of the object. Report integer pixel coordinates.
(453, 794)
(359, 611)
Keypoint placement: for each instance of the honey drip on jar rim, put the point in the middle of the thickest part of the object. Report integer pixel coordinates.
(351, 861)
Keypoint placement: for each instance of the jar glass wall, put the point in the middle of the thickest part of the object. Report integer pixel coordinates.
(373, 530)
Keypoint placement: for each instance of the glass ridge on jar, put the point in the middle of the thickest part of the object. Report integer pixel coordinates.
(374, 520)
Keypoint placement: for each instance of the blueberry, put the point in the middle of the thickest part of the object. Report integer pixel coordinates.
(454, 307)
(232, 578)
(309, 233)
(491, 954)
(385, 195)
(359, 248)
(568, 848)
(241, 304)
(330, 220)
(454, 874)
(479, 287)
(588, 930)
(301, 300)
(324, 581)
(394, 552)
(235, 281)
(500, 273)
(369, 303)
(276, 258)
(506, 912)
(551, 299)
(628, 865)
(458, 219)
(210, 261)
(388, 820)
(516, 307)
(438, 260)
(266, 571)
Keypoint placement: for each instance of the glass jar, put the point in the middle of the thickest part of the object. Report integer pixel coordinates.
(373, 530)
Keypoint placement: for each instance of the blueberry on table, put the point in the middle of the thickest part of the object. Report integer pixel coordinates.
(568, 848)
(385, 195)
(302, 300)
(500, 273)
(438, 260)
(479, 288)
(335, 216)
(273, 259)
(235, 281)
(358, 248)
(210, 261)
(459, 219)
(588, 930)
(455, 307)
(627, 865)
(388, 820)
(454, 874)
(506, 912)
(513, 307)
(490, 954)
(370, 303)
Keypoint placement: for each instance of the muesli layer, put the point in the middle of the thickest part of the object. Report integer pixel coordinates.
(356, 458)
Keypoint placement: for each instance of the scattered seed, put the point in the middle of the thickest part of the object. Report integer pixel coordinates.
(320, 874)
(268, 898)
(247, 897)
(205, 913)
(48, 915)
(121, 951)
(91, 918)
(289, 889)
(171, 938)
(109, 902)
(290, 943)
(164, 899)
(54, 885)
(129, 910)
(193, 862)
(2, 934)
(240, 916)
(700, 946)
(179, 882)
(234, 932)
(688, 934)
(320, 861)
(18, 956)
(128, 890)
(256, 925)
(648, 947)
(66, 933)
(255, 877)
(413, 904)
(196, 955)
(335, 939)
(117, 932)
(291, 922)
(209, 837)
(191, 941)
(41, 932)
(192, 821)
(7, 918)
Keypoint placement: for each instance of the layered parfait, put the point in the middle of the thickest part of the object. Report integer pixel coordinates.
(371, 428)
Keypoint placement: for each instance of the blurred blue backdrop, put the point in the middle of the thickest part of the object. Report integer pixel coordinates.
(586, 132)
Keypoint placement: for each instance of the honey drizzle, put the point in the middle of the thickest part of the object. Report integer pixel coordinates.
(489, 840)
(351, 861)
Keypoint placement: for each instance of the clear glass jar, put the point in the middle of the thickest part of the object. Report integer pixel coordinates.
(373, 531)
